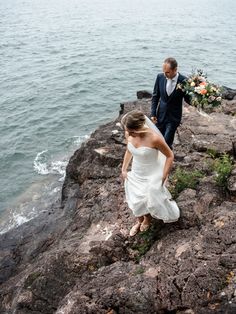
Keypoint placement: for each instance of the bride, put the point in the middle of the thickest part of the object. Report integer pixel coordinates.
(145, 189)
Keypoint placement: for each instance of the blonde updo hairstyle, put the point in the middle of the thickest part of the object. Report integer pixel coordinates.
(133, 121)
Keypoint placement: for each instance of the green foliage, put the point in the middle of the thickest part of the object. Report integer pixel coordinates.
(139, 271)
(223, 167)
(144, 241)
(212, 152)
(182, 179)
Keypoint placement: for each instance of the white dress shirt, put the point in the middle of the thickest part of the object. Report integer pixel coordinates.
(171, 83)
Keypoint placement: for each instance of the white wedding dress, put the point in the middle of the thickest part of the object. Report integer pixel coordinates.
(144, 191)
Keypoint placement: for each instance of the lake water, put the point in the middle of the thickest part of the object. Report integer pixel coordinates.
(67, 64)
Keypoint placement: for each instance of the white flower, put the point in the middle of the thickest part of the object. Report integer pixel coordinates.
(202, 79)
(211, 98)
(197, 89)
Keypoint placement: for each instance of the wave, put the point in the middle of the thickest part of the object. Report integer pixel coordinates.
(43, 192)
(77, 140)
(40, 165)
(43, 166)
(14, 219)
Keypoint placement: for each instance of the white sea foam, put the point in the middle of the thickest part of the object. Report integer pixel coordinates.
(43, 166)
(58, 167)
(55, 190)
(16, 219)
(78, 140)
(40, 165)
(19, 219)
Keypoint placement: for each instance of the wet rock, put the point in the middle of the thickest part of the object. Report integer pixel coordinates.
(228, 93)
(143, 94)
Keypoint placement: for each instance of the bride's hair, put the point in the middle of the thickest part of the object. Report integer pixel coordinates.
(133, 120)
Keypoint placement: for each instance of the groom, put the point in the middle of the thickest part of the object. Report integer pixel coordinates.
(168, 113)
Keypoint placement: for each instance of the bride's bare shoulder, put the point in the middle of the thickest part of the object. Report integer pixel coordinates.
(156, 138)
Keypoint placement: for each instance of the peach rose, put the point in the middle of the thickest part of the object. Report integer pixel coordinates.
(203, 91)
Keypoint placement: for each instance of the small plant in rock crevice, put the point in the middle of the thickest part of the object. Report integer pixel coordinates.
(222, 167)
(139, 271)
(144, 241)
(182, 179)
(212, 153)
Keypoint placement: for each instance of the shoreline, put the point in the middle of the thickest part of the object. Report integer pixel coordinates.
(49, 175)
(27, 206)
(16, 204)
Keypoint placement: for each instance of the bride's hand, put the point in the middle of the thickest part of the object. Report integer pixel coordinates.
(164, 179)
(124, 175)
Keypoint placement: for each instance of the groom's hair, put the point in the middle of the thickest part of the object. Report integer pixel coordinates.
(172, 62)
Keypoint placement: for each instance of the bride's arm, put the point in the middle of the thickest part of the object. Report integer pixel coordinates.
(126, 161)
(161, 145)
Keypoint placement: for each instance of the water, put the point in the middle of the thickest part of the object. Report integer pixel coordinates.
(67, 64)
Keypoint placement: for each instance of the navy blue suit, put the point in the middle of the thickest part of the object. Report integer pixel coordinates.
(169, 111)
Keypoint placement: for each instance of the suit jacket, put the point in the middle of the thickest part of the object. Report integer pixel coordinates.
(170, 108)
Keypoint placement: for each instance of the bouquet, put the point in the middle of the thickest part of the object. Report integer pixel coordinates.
(204, 95)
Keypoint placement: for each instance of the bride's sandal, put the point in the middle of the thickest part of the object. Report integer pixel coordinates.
(145, 226)
(135, 229)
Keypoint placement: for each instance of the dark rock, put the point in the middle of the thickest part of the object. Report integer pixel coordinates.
(143, 94)
(228, 93)
(229, 107)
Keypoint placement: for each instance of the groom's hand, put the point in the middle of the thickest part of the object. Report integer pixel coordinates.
(154, 119)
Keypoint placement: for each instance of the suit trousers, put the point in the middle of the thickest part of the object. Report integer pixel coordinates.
(168, 129)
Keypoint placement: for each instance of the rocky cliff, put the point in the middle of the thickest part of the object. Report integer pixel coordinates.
(78, 257)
